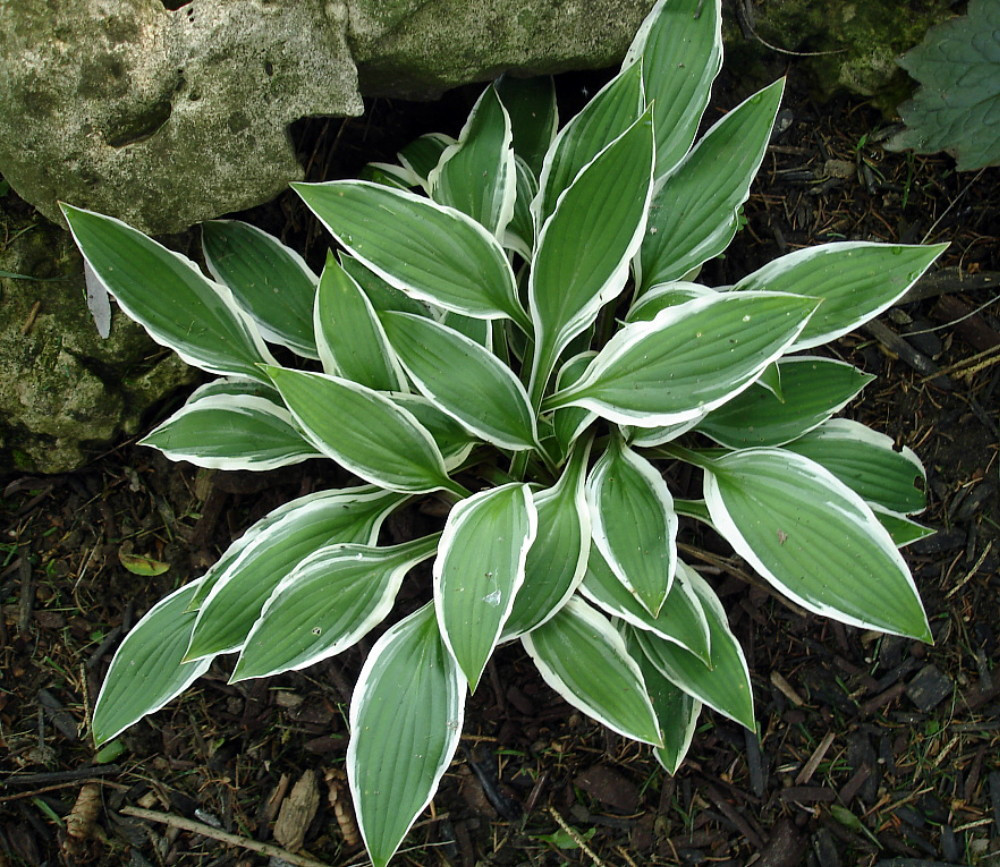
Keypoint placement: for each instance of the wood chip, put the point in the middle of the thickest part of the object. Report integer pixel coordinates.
(81, 819)
(808, 794)
(609, 787)
(786, 689)
(805, 775)
(297, 812)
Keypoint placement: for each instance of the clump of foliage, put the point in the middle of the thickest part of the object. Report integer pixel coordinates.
(527, 341)
(957, 108)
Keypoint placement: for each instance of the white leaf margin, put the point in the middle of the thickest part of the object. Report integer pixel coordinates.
(396, 633)
(458, 518)
(656, 484)
(285, 519)
(855, 509)
(602, 629)
(632, 334)
(242, 404)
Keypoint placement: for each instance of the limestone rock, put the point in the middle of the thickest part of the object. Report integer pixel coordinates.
(415, 48)
(65, 393)
(160, 117)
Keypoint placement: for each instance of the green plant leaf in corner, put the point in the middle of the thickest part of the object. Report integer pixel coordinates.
(957, 106)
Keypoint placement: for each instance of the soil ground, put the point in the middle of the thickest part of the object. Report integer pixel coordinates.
(872, 749)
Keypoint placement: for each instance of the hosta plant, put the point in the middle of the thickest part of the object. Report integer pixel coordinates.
(512, 324)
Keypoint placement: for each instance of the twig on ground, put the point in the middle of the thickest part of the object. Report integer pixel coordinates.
(172, 821)
(576, 838)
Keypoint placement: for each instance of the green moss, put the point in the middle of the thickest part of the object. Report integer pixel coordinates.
(856, 43)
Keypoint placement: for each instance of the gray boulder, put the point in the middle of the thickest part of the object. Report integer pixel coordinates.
(164, 117)
(160, 117)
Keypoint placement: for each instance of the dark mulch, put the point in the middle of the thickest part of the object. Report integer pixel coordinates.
(872, 749)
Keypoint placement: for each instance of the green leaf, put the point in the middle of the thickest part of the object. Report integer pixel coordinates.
(270, 281)
(531, 104)
(147, 671)
(581, 656)
(676, 711)
(327, 603)
(476, 175)
(680, 45)
(382, 296)
(868, 463)
(812, 390)
(139, 565)
(389, 175)
(420, 156)
(650, 437)
(479, 569)
(814, 539)
(251, 537)
(605, 118)
(478, 330)
(689, 359)
(634, 524)
(694, 212)
(958, 103)
(169, 297)
(901, 529)
(681, 618)
(454, 441)
(569, 423)
(557, 558)
(664, 295)
(855, 280)
(724, 685)
(428, 251)
(521, 230)
(406, 719)
(368, 434)
(231, 432)
(464, 379)
(349, 337)
(276, 546)
(583, 254)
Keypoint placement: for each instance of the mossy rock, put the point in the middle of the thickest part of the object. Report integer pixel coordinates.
(847, 46)
(66, 394)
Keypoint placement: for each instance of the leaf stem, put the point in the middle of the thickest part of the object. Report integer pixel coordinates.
(457, 489)
(689, 456)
